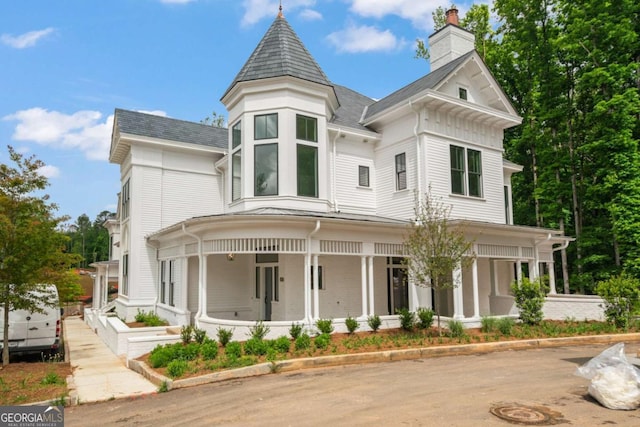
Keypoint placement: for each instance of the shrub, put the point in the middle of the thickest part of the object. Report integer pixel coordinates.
(190, 351)
(224, 336)
(256, 347)
(161, 356)
(425, 317)
(209, 350)
(529, 296)
(177, 368)
(259, 330)
(303, 342)
(52, 378)
(233, 349)
(199, 335)
(505, 325)
(456, 329)
(325, 326)
(149, 319)
(622, 299)
(282, 344)
(186, 333)
(322, 341)
(407, 319)
(488, 324)
(295, 330)
(374, 322)
(140, 316)
(352, 324)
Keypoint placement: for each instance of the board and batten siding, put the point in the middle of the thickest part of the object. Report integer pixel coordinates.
(350, 196)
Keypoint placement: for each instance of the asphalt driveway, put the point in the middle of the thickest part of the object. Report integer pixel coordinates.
(446, 391)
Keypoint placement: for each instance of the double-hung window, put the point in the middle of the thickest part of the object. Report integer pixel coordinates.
(125, 274)
(307, 156)
(401, 171)
(172, 282)
(236, 161)
(125, 198)
(466, 171)
(363, 176)
(163, 282)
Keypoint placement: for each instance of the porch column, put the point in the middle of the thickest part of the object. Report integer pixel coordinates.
(476, 300)
(307, 288)
(493, 267)
(316, 289)
(363, 282)
(519, 271)
(370, 278)
(458, 304)
(203, 284)
(552, 278)
(184, 283)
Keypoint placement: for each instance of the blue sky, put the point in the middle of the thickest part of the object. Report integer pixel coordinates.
(65, 65)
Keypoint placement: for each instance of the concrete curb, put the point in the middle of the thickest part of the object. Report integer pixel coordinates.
(375, 357)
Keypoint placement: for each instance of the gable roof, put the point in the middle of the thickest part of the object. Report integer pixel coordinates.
(280, 53)
(149, 125)
(352, 105)
(429, 81)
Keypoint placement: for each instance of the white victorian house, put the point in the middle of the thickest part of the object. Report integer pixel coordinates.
(299, 210)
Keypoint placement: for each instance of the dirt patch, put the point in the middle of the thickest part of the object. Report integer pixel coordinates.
(529, 415)
(28, 382)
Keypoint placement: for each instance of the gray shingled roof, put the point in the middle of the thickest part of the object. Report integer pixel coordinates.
(280, 53)
(136, 123)
(352, 105)
(429, 81)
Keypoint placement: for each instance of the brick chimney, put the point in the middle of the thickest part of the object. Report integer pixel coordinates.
(449, 42)
(452, 16)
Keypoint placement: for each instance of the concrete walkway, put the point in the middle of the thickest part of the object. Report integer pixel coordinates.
(98, 374)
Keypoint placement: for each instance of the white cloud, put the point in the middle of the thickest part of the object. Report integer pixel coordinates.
(176, 1)
(364, 38)
(418, 12)
(25, 40)
(154, 112)
(256, 10)
(49, 171)
(86, 131)
(310, 15)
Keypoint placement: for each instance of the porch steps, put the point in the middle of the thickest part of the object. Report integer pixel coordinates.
(173, 330)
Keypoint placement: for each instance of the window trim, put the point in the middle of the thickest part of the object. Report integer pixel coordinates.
(255, 176)
(236, 154)
(320, 278)
(463, 93)
(316, 190)
(125, 274)
(172, 282)
(466, 174)
(236, 135)
(362, 168)
(126, 198)
(163, 296)
(255, 126)
(401, 172)
(306, 121)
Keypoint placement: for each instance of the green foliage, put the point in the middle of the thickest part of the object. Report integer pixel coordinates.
(177, 368)
(425, 317)
(233, 349)
(256, 347)
(295, 330)
(149, 318)
(32, 249)
(374, 322)
(529, 297)
(199, 335)
(352, 324)
(224, 336)
(89, 240)
(209, 350)
(303, 342)
(456, 328)
(488, 324)
(505, 325)
(282, 344)
(322, 341)
(186, 333)
(325, 326)
(407, 319)
(622, 299)
(259, 330)
(164, 387)
(52, 379)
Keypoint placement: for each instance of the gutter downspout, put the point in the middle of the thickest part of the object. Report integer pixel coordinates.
(536, 245)
(334, 198)
(418, 152)
(201, 288)
(307, 282)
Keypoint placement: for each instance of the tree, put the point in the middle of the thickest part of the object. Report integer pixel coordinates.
(435, 249)
(89, 239)
(217, 120)
(31, 246)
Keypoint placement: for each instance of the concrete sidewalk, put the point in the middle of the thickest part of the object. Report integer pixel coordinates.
(98, 374)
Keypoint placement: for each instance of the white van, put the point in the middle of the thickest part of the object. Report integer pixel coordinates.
(34, 332)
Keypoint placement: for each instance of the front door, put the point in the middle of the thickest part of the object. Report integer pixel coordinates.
(397, 289)
(267, 281)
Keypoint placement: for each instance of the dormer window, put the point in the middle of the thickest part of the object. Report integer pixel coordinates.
(462, 93)
(266, 126)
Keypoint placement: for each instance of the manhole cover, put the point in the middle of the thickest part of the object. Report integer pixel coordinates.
(530, 415)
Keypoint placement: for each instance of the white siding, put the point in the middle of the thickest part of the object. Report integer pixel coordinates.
(229, 287)
(393, 203)
(350, 196)
(186, 195)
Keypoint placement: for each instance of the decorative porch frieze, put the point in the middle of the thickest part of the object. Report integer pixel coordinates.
(389, 249)
(340, 247)
(255, 245)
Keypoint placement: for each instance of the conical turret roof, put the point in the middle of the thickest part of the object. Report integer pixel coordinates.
(280, 53)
